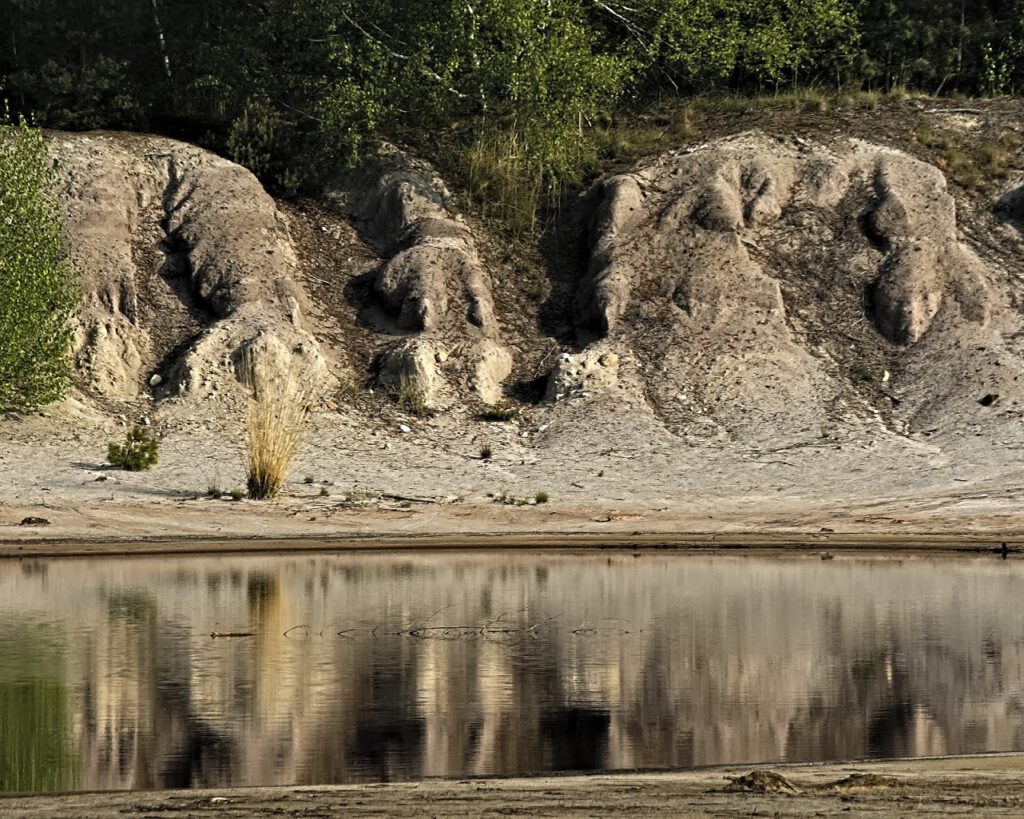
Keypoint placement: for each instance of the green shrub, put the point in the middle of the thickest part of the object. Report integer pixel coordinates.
(864, 372)
(259, 139)
(138, 452)
(498, 414)
(38, 291)
(541, 497)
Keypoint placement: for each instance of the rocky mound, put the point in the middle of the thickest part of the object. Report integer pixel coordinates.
(752, 291)
(432, 287)
(779, 289)
(186, 262)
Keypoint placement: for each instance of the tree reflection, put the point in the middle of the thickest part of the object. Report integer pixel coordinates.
(367, 668)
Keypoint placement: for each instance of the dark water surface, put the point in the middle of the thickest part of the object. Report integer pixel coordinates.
(381, 667)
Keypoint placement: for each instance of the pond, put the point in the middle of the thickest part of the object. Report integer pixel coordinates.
(369, 667)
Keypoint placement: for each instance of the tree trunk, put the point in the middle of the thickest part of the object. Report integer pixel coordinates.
(163, 41)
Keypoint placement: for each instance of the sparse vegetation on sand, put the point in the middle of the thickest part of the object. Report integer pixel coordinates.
(502, 413)
(410, 397)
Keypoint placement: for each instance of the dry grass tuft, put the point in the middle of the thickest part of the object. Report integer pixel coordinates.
(277, 419)
(504, 180)
(410, 397)
(972, 165)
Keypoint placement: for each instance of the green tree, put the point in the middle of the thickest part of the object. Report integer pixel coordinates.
(86, 64)
(705, 45)
(938, 45)
(38, 290)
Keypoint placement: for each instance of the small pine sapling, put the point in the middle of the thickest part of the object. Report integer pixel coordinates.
(138, 452)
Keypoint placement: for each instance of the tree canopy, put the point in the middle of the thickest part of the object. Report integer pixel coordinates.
(289, 85)
(37, 288)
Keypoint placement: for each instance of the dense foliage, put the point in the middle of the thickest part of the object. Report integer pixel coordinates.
(37, 288)
(290, 87)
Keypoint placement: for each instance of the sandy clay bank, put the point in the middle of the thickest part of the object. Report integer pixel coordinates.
(758, 332)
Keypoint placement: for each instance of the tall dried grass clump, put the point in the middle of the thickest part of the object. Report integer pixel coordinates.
(277, 419)
(504, 180)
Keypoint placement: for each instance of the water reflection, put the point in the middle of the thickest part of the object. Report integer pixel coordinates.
(378, 667)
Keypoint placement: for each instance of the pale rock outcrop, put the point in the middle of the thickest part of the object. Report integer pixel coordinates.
(718, 264)
(591, 372)
(178, 249)
(433, 284)
(412, 365)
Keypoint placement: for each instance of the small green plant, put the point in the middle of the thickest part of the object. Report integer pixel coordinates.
(512, 500)
(308, 479)
(324, 492)
(237, 494)
(863, 372)
(498, 414)
(138, 452)
(214, 491)
(538, 291)
(486, 452)
(541, 497)
(348, 390)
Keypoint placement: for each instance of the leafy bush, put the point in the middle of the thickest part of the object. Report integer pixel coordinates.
(260, 139)
(37, 282)
(138, 452)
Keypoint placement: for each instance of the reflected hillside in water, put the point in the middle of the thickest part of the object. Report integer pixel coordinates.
(381, 667)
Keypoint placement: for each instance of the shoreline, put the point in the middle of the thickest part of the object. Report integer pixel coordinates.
(983, 785)
(472, 528)
(563, 543)
(199, 527)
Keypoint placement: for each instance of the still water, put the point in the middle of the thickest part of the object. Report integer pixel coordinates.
(372, 667)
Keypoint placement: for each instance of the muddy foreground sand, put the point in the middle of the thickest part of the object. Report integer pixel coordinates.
(971, 786)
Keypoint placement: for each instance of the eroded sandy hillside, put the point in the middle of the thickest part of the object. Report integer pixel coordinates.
(797, 313)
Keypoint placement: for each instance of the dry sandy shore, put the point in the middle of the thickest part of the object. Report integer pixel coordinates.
(202, 525)
(970, 786)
